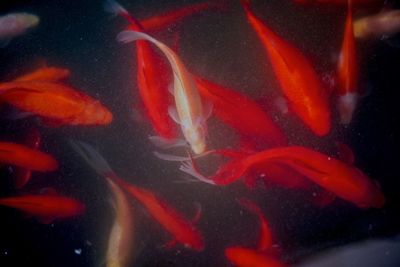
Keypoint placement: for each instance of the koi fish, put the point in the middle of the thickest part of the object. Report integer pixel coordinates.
(170, 219)
(383, 24)
(160, 22)
(245, 257)
(153, 79)
(347, 73)
(26, 157)
(343, 180)
(15, 24)
(22, 175)
(189, 112)
(122, 235)
(46, 208)
(54, 102)
(250, 120)
(297, 78)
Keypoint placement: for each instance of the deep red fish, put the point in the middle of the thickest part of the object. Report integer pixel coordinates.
(183, 230)
(45, 208)
(340, 178)
(245, 257)
(265, 240)
(26, 157)
(22, 175)
(162, 21)
(347, 70)
(153, 79)
(250, 121)
(55, 102)
(297, 78)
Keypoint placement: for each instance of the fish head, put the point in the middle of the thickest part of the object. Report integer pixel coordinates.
(97, 114)
(29, 20)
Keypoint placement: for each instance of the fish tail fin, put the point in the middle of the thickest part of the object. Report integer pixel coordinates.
(92, 157)
(115, 8)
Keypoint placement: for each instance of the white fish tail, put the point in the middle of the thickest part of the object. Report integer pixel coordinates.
(114, 8)
(189, 168)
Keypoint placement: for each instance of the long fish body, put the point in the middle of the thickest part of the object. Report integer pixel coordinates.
(188, 103)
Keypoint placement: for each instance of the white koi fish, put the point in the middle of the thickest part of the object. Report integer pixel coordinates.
(189, 112)
(15, 24)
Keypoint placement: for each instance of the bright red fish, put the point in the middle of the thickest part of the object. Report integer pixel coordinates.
(245, 257)
(153, 79)
(55, 103)
(26, 157)
(340, 178)
(250, 121)
(170, 219)
(347, 73)
(45, 208)
(297, 78)
(162, 21)
(22, 175)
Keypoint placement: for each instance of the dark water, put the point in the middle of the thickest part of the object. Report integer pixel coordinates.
(80, 36)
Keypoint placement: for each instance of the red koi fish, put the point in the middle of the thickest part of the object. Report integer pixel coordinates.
(339, 2)
(340, 178)
(55, 103)
(297, 78)
(22, 175)
(347, 73)
(26, 157)
(249, 120)
(170, 219)
(153, 79)
(162, 21)
(46, 208)
(265, 241)
(245, 257)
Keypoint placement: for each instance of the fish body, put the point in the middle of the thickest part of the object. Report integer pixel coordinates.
(26, 157)
(45, 208)
(188, 111)
(15, 24)
(297, 78)
(383, 24)
(347, 73)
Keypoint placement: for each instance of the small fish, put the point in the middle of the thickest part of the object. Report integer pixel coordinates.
(245, 257)
(333, 175)
(383, 24)
(15, 24)
(188, 110)
(347, 72)
(26, 157)
(46, 208)
(56, 103)
(183, 230)
(297, 78)
(122, 235)
(249, 120)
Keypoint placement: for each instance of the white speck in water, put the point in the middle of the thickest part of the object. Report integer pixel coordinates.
(262, 175)
(329, 158)
(6, 252)
(78, 251)
(314, 194)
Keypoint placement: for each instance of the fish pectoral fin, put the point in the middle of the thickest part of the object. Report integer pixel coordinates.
(173, 113)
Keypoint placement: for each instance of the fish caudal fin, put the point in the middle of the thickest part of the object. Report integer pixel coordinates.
(92, 157)
(114, 8)
(189, 168)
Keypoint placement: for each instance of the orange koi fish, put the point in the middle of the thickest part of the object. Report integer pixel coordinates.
(160, 22)
(153, 79)
(385, 23)
(170, 219)
(188, 111)
(54, 102)
(46, 208)
(297, 78)
(249, 120)
(340, 178)
(245, 257)
(122, 235)
(347, 73)
(22, 175)
(26, 157)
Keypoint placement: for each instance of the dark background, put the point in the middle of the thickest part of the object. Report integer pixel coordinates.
(80, 36)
